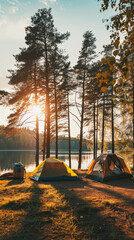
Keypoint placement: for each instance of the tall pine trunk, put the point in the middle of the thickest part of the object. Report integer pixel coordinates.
(81, 123)
(47, 100)
(133, 123)
(112, 111)
(69, 134)
(48, 126)
(94, 138)
(44, 136)
(37, 120)
(103, 122)
(96, 147)
(56, 119)
(37, 141)
(132, 76)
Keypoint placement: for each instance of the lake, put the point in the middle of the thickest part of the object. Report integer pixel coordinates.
(27, 157)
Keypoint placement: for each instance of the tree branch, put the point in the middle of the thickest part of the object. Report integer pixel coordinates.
(75, 116)
(77, 105)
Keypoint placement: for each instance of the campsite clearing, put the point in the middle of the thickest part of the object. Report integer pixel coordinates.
(82, 210)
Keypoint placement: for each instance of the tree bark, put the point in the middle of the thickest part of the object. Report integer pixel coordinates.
(81, 123)
(48, 126)
(47, 101)
(94, 150)
(44, 137)
(69, 134)
(96, 131)
(112, 123)
(133, 122)
(132, 76)
(37, 141)
(56, 119)
(37, 120)
(103, 122)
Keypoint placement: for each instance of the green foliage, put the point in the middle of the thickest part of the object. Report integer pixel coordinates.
(122, 33)
(44, 76)
(24, 139)
(39, 75)
(87, 54)
(3, 97)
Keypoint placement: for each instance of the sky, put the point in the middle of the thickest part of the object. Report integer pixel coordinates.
(75, 16)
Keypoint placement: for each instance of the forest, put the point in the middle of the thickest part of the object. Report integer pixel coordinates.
(25, 139)
(102, 84)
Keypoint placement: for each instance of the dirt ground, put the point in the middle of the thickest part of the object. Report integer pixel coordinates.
(99, 210)
(118, 199)
(113, 205)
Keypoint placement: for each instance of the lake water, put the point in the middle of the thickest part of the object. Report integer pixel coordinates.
(9, 157)
(27, 158)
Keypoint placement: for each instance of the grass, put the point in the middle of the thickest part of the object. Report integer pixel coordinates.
(37, 206)
(30, 210)
(102, 203)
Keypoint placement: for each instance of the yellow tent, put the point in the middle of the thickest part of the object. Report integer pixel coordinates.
(53, 169)
(107, 167)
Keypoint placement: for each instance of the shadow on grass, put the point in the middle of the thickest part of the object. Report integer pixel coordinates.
(127, 183)
(9, 176)
(88, 219)
(15, 182)
(90, 222)
(6, 176)
(29, 227)
(116, 194)
(123, 183)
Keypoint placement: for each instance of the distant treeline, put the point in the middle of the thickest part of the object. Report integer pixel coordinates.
(25, 139)
(63, 144)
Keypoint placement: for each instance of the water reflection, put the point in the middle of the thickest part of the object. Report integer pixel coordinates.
(8, 158)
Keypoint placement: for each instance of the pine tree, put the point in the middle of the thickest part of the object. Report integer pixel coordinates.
(92, 97)
(122, 37)
(68, 86)
(87, 54)
(26, 76)
(43, 32)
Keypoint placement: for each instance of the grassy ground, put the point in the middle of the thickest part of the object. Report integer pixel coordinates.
(82, 209)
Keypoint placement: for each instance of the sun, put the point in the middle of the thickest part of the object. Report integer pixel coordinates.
(29, 120)
(36, 109)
